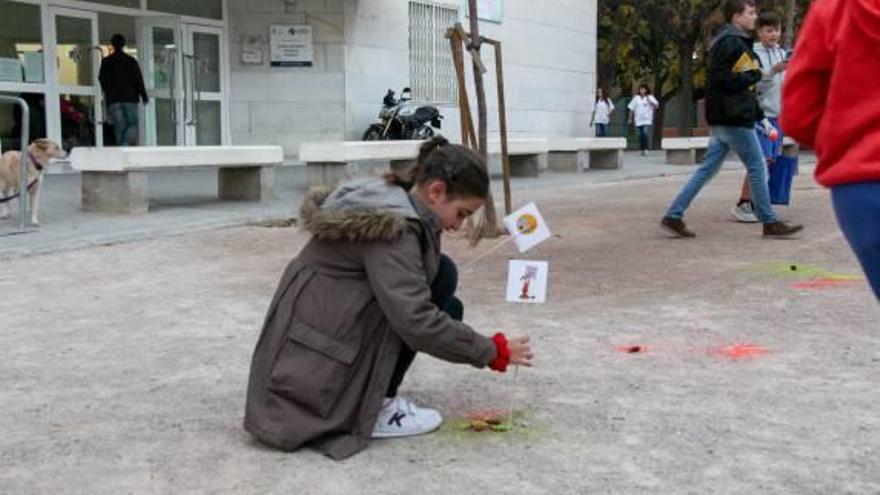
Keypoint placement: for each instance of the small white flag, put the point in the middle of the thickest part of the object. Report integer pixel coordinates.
(527, 227)
(527, 281)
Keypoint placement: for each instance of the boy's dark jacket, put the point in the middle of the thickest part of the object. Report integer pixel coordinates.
(734, 71)
(357, 290)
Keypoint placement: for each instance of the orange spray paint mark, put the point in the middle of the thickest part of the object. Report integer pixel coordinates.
(740, 351)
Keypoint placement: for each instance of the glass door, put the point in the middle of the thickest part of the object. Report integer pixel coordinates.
(75, 71)
(159, 42)
(183, 68)
(204, 67)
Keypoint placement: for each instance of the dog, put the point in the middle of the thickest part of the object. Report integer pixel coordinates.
(39, 153)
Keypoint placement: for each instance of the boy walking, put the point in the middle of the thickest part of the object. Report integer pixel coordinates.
(732, 110)
(773, 64)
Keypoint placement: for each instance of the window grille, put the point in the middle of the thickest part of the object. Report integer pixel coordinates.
(431, 72)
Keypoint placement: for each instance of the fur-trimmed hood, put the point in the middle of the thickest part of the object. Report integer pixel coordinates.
(360, 211)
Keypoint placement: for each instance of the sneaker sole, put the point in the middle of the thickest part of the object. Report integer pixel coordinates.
(741, 218)
(379, 436)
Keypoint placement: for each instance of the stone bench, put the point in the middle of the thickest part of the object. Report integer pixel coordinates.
(328, 162)
(601, 153)
(690, 151)
(685, 150)
(114, 179)
(527, 156)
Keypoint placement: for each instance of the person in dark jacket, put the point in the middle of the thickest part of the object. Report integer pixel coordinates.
(123, 86)
(732, 109)
(368, 291)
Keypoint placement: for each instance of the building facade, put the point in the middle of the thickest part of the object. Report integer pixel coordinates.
(286, 71)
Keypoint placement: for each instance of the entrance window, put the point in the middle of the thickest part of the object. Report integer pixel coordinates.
(110, 24)
(21, 43)
(77, 120)
(75, 55)
(10, 120)
(211, 9)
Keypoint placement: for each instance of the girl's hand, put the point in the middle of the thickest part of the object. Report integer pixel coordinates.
(520, 350)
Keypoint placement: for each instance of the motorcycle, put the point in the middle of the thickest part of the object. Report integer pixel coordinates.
(398, 120)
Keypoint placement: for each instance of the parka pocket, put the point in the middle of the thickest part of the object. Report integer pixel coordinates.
(312, 368)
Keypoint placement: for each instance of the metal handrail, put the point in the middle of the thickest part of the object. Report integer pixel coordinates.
(23, 198)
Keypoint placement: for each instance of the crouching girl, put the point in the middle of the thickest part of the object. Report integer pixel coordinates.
(366, 293)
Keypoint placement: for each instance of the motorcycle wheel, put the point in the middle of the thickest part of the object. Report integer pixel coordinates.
(374, 133)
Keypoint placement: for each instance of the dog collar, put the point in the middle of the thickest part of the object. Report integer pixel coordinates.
(39, 166)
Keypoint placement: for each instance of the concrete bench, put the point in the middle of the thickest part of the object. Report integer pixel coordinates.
(114, 180)
(328, 162)
(601, 153)
(527, 156)
(685, 150)
(690, 151)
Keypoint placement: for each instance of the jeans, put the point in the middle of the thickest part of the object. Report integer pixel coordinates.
(858, 212)
(125, 122)
(744, 141)
(644, 137)
(443, 296)
(601, 130)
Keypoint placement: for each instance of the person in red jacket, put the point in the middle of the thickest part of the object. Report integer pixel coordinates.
(830, 104)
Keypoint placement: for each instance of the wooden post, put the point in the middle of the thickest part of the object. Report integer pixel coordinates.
(502, 122)
(489, 225)
(468, 135)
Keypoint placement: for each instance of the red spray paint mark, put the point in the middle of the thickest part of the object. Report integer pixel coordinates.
(487, 415)
(495, 420)
(631, 349)
(740, 351)
(824, 283)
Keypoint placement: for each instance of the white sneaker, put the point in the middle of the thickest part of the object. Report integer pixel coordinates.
(402, 418)
(744, 213)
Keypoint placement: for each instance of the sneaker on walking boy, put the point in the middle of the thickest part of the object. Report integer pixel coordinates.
(732, 110)
(773, 65)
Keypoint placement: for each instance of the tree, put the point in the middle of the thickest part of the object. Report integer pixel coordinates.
(664, 43)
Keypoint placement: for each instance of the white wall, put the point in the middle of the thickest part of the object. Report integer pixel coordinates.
(361, 50)
(549, 51)
(287, 106)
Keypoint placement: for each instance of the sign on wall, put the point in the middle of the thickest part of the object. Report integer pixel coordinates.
(488, 10)
(291, 45)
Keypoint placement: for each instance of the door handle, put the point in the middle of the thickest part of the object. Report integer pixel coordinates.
(194, 96)
(172, 83)
(185, 86)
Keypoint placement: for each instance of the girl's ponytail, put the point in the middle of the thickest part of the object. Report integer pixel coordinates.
(460, 168)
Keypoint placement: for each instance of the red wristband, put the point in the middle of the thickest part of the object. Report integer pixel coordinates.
(502, 353)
